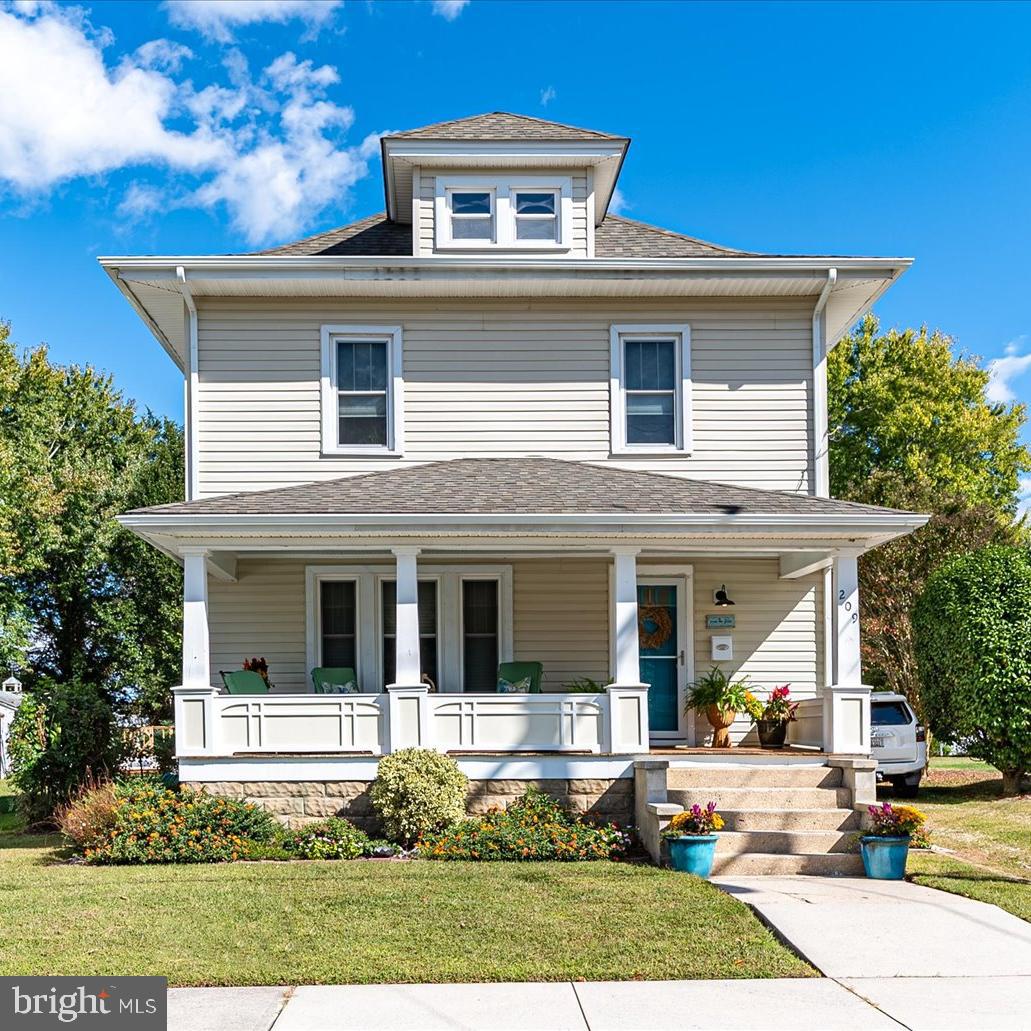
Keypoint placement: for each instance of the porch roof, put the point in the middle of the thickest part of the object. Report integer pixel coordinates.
(517, 487)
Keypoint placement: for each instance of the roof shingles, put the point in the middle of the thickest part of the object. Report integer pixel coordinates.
(501, 125)
(513, 486)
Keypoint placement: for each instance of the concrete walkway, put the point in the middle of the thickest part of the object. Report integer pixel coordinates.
(895, 955)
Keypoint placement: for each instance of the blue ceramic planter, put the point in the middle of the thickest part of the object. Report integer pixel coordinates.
(693, 853)
(884, 859)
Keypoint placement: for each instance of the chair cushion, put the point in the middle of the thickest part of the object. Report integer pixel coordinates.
(349, 688)
(513, 686)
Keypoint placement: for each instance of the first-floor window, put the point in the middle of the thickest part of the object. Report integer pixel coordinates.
(427, 630)
(480, 635)
(339, 624)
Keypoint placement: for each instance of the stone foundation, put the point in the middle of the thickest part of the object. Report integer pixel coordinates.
(296, 803)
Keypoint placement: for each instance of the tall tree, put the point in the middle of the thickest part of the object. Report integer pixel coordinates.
(74, 454)
(910, 428)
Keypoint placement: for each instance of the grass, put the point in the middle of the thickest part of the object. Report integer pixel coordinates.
(987, 837)
(377, 921)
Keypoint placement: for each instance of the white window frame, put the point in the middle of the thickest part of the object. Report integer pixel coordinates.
(492, 193)
(392, 336)
(503, 189)
(682, 408)
(369, 616)
(556, 217)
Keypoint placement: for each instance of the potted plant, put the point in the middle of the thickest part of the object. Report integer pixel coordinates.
(721, 699)
(691, 838)
(885, 846)
(771, 720)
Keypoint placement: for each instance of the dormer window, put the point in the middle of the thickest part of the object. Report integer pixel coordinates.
(472, 215)
(533, 213)
(536, 215)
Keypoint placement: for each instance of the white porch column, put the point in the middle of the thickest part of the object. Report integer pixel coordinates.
(195, 732)
(196, 668)
(846, 702)
(408, 671)
(628, 654)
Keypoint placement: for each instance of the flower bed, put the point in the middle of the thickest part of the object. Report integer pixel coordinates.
(535, 827)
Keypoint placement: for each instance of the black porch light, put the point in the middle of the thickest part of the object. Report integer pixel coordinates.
(720, 597)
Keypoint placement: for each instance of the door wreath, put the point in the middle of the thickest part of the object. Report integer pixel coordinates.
(654, 626)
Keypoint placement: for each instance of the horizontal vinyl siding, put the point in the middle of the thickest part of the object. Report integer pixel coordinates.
(561, 618)
(502, 379)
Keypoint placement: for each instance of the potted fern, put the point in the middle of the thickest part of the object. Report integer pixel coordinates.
(721, 699)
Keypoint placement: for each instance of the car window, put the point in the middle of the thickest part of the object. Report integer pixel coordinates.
(890, 714)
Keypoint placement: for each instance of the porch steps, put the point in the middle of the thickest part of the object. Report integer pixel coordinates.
(779, 818)
(762, 798)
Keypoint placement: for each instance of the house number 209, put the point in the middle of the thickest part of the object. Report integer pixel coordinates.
(848, 607)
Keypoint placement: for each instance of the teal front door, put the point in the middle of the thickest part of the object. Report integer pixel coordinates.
(661, 655)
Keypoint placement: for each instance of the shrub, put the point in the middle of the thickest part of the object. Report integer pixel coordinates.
(155, 825)
(90, 815)
(417, 791)
(973, 644)
(330, 839)
(534, 827)
(61, 735)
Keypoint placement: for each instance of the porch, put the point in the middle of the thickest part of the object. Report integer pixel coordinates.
(621, 584)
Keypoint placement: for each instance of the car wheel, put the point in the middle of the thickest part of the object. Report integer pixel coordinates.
(903, 787)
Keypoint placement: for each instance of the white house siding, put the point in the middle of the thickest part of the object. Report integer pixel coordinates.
(561, 618)
(503, 379)
(424, 190)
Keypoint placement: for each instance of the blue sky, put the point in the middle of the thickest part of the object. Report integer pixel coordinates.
(205, 126)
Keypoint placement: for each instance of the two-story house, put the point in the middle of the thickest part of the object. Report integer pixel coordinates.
(498, 424)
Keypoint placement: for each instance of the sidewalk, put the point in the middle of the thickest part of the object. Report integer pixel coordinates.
(894, 955)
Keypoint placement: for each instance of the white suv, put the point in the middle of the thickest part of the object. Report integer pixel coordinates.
(899, 743)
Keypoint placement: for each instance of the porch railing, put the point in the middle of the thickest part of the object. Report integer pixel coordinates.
(612, 721)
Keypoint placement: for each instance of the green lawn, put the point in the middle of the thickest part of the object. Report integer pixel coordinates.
(988, 838)
(374, 921)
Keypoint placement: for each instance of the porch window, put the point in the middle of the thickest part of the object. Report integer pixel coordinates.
(361, 397)
(427, 630)
(651, 389)
(339, 623)
(480, 635)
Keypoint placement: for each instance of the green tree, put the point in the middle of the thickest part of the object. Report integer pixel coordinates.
(81, 601)
(902, 403)
(973, 645)
(910, 428)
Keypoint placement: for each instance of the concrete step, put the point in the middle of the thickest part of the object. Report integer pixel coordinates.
(784, 842)
(762, 798)
(798, 776)
(790, 819)
(758, 864)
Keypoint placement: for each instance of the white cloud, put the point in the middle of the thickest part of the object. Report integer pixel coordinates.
(1003, 371)
(619, 205)
(548, 94)
(217, 19)
(449, 9)
(271, 149)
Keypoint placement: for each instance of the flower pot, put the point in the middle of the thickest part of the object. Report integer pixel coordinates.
(720, 720)
(772, 733)
(884, 859)
(692, 853)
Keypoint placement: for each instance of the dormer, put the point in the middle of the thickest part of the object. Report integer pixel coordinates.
(501, 184)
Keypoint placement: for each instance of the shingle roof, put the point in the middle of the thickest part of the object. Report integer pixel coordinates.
(616, 237)
(513, 486)
(501, 125)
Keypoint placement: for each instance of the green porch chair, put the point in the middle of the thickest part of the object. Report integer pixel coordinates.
(329, 679)
(513, 672)
(244, 681)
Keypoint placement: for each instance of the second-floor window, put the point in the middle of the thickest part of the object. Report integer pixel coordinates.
(361, 390)
(536, 215)
(651, 389)
(472, 215)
